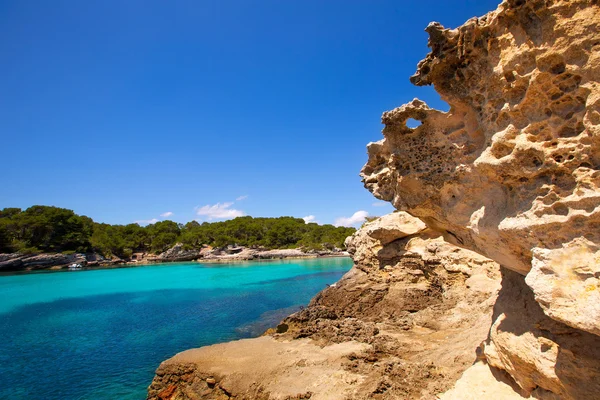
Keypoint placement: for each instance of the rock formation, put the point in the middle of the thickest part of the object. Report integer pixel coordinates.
(177, 253)
(28, 262)
(512, 171)
(403, 323)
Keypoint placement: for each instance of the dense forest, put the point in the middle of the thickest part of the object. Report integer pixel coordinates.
(53, 229)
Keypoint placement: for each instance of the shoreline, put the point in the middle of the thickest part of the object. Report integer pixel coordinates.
(403, 321)
(54, 262)
(235, 261)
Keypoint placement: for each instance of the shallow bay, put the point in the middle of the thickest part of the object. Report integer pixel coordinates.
(100, 334)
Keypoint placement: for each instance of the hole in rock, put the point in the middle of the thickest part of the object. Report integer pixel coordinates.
(413, 123)
(560, 209)
(510, 76)
(558, 68)
(567, 132)
(431, 97)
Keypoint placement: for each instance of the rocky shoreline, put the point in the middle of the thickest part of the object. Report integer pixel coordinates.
(57, 261)
(512, 173)
(403, 323)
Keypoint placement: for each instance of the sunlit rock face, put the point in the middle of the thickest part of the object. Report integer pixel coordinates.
(512, 170)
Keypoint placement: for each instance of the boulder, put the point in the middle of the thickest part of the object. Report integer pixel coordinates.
(178, 253)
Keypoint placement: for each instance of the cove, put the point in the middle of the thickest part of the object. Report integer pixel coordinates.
(100, 334)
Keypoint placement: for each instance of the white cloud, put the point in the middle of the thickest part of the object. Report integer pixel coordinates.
(310, 218)
(146, 221)
(380, 204)
(244, 197)
(219, 211)
(356, 218)
(167, 214)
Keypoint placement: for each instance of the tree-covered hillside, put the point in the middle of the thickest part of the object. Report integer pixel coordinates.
(53, 229)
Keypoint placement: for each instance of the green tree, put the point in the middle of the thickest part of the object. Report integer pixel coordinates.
(162, 235)
(53, 229)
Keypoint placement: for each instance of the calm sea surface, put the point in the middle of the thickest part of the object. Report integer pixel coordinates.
(100, 334)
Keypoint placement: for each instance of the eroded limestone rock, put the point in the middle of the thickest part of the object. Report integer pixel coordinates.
(545, 357)
(566, 283)
(515, 163)
(368, 245)
(512, 171)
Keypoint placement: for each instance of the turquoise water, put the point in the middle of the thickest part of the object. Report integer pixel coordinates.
(100, 334)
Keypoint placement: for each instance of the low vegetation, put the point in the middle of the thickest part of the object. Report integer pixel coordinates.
(53, 229)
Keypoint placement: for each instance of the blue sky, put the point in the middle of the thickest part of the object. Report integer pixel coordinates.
(128, 110)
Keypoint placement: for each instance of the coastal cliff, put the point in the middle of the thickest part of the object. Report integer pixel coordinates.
(404, 321)
(511, 173)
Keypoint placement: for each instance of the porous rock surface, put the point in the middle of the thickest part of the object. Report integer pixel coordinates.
(404, 322)
(512, 171)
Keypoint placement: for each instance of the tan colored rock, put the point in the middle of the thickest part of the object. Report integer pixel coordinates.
(545, 357)
(261, 368)
(515, 163)
(566, 283)
(392, 227)
(512, 171)
(367, 245)
(481, 381)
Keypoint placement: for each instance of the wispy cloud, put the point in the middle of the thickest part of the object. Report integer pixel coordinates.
(146, 221)
(219, 211)
(380, 204)
(154, 220)
(244, 197)
(356, 218)
(310, 218)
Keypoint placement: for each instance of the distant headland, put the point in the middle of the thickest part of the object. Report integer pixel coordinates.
(51, 237)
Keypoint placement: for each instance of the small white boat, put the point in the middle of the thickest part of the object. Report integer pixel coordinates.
(75, 266)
